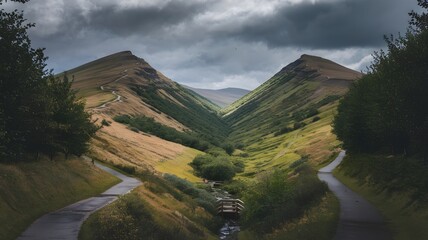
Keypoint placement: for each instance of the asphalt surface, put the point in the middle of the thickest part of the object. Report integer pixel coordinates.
(359, 219)
(66, 222)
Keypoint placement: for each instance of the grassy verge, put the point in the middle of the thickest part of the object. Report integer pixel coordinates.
(318, 223)
(406, 216)
(155, 210)
(29, 190)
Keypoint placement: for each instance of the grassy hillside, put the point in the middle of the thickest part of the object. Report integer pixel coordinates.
(156, 210)
(30, 189)
(118, 145)
(289, 116)
(144, 91)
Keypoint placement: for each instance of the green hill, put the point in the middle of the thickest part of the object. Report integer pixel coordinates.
(146, 91)
(289, 116)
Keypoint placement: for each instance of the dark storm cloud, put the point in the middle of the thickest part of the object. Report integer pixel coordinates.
(215, 43)
(330, 25)
(142, 20)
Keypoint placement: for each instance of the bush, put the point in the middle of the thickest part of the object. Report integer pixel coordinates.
(217, 168)
(126, 168)
(128, 218)
(201, 196)
(276, 199)
(229, 148)
(283, 130)
(298, 125)
(315, 119)
(134, 129)
(105, 123)
(218, 171)
(125, 119)
(240, 145)
(145, 124)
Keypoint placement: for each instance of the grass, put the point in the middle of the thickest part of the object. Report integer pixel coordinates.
(318, 223)
(180, 165)
(315, 140)
(29, 190)
(406, 217)
(155, 210)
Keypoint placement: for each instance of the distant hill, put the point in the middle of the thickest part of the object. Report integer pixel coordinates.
(222, 97)
(289, 116)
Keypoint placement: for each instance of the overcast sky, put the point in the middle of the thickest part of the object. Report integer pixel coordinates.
(215, 43)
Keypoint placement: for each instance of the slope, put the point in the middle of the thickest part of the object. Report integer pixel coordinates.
(121, 84)
(222, 97)
(140, 89)
(288, 117)
(28, 190)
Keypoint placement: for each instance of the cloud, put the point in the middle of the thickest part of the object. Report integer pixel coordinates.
(329, 24)
(214, 43)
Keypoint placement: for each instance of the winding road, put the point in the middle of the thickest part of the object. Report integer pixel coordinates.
(359, 219)
(118, 97)
(65, 223)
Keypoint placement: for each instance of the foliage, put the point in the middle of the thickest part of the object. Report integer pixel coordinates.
(229, 148)
(38, 114)
(207, 125)
(395, 174)
(305, 113)
(386, 110)
(217, 168)
(201, 196)
(129, 218)
(316, 118)
(148, 125)
(276, 199)
(105, 123)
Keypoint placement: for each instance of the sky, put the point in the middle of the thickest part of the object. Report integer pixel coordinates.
(214, 43)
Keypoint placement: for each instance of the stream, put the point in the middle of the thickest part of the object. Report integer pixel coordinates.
(231, 227)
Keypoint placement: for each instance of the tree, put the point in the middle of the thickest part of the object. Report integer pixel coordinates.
(386, 110)
(22, 83)
(38, 113)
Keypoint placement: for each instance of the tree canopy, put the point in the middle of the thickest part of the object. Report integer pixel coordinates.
(38, 113)
(386, 110)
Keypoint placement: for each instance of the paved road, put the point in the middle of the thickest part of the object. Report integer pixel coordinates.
(359, 220)
(65, 223)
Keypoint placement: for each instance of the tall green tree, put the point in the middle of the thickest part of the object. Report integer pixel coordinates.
(386, 110)
(38, 113)
(22, 79)
(72, 128)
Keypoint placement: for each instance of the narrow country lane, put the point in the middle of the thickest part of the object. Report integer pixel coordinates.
(359, 220)
(65, 223)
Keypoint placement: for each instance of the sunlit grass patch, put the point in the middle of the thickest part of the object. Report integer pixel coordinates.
(180, 165)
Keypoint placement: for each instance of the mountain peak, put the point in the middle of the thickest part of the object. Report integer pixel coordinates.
(314, 65)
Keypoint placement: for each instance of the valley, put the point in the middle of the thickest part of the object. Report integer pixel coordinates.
(115, 149)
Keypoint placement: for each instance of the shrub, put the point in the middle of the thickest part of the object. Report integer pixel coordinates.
(201, 196)
(218, 168)
(105, 123)
(145, 124)
(129, 218)
(283, 130)
(134, 129)
(125, 119)
(276, 199)
(229, 148)
(316, 119)
(218, 171)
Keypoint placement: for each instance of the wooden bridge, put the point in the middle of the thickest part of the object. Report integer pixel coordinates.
(229, 207)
